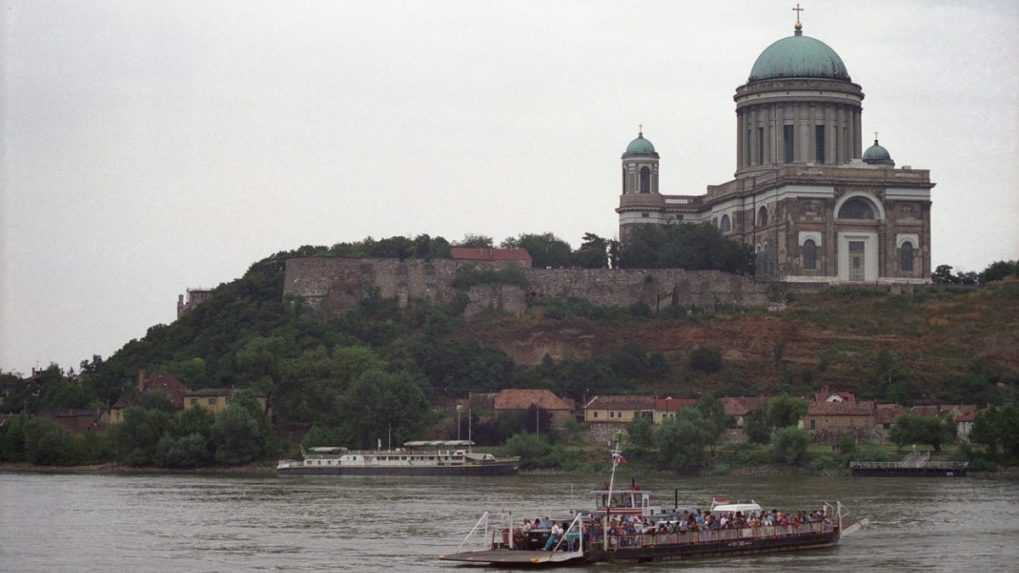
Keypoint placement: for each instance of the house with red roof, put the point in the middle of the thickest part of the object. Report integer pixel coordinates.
(523, 400)
(618, 409)
(666, 408)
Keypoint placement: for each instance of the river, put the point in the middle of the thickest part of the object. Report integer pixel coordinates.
(192, 523)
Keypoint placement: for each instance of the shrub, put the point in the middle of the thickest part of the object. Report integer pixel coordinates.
(706, 359)
(789, 445)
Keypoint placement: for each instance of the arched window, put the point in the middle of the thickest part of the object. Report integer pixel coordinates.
(645, 180)
(624, 180)
(856, 208)
(809, 255)
(906, 257)
(762, 217)
(725, 226)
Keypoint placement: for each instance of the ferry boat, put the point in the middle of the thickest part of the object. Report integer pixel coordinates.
(416, 458)
(914, 465)
(627, 526)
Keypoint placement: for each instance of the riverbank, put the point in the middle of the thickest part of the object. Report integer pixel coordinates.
(248, 470)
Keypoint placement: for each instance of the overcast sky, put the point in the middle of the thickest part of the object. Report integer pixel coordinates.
(153, 146)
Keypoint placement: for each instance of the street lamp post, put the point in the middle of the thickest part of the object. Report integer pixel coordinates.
(459, 409)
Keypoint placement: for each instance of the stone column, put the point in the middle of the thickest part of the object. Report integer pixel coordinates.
(739, 140)
(857, 139)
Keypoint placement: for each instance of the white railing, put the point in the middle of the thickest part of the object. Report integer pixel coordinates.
(617, 542)
(483, 520)
(577, 522)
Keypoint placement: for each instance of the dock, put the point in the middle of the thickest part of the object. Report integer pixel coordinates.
(915, 465)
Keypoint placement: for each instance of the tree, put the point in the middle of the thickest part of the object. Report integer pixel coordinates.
(137, 437)
(189, 451)
(686, 246)
(998, 430)
(789, 445)
(546, 250)
(593, 252)
(785, 411)
(379, 404)
(471, 240)
(706, 359)
(999, 270)
(237, 437)
(641, 437)
(942, 275)
(682, 440)
(930, 430)
(757, 427)
(530, 448)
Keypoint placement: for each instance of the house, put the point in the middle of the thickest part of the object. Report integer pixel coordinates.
(886, 414)
(515, 256)
(666, 408)
(619, 409)
(215, 400)
(829, 419)
(75, 421)
(737, 408)
(522, 400)
(165, 384)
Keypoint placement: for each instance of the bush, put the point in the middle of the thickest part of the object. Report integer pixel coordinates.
(789, 445)
(237, 436)
(531, 449)
(468, 276)
(187, 452)
(706, 359)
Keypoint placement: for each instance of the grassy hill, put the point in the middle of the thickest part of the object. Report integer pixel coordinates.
(945, 343)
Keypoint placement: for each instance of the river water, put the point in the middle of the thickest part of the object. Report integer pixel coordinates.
(191, 523)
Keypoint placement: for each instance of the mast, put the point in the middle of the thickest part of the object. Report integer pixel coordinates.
(616, 456)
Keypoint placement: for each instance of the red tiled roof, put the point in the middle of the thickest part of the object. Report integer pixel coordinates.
(174, 389)
(673, 404)
(888, 413)
(743, 405)
(524, 399)
(490, 254)
(621, 402)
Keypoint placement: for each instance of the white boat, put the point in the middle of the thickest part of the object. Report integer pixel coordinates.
(440, 457)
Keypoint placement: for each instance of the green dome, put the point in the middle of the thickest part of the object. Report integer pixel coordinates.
(640, 147)
(799, 56)
(875, 154)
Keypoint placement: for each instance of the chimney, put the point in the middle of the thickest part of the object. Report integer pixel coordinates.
(180, 305)
(141, 379)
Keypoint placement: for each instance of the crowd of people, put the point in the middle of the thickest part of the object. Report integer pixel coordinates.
(623, 528)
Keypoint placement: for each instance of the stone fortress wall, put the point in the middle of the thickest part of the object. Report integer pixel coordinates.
(334, 285)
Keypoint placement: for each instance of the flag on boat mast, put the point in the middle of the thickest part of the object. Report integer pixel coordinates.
(617, 458)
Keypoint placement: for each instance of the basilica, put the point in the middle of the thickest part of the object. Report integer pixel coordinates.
(811, 202)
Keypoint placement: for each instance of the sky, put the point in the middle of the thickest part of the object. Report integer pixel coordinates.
(153, 146)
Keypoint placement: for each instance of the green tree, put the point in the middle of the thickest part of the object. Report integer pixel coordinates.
(138, 435)
(706, 359)
(475, 241)
(934, 431)
(999, 270)
(530, 448)
(379, 404)
(237, 436)
(593, 252)
(546, 250)
(757, 427)
(789, 445)
(682, 441)
(189, 451)
(687, 246)
(641, 437)
(785, 411)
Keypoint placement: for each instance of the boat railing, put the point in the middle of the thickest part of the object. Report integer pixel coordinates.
(578, 524)
(617, 542)
(481, 523)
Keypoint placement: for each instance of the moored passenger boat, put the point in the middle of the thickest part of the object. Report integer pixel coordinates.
(417, 458)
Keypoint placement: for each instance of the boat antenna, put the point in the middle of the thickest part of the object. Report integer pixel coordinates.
(390, 436)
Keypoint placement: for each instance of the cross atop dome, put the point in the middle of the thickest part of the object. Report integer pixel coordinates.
(798, 28)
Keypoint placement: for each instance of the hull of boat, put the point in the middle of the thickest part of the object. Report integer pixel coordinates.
(745, 546)
(495, 469)
(646, 553)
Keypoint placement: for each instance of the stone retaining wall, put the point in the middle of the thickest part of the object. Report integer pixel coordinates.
(334, 285)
